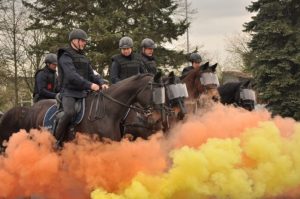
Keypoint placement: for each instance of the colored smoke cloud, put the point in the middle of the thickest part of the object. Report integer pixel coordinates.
(224, 153)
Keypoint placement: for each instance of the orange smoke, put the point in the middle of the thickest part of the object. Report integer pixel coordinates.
(30, 166)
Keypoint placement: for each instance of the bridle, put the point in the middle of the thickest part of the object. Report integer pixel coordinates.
(201, 89)
(146, 111)
(246, 101)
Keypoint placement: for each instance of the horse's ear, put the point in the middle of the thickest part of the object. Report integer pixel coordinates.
(253, 83)
(204, 66)
(213, 67)
(171, 74)
(157, 76)
(247, 83)
(171, 77)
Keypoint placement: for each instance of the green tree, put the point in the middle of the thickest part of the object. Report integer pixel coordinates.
(275, 46)
(106, 22)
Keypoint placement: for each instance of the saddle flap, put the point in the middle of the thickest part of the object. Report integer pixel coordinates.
(54, 112)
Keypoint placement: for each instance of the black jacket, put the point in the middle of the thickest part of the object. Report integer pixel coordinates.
(45, 84)
(149, 63)
(125, 66)
(75, 73)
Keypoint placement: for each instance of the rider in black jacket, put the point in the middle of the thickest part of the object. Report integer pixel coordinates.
(45, 86)
(195, 59)
(76, 78)
(148, 59)
(127, 63)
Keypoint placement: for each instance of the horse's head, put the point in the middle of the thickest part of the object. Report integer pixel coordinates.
(176, 92)
(203, 82)
(151, 91)
(152, 96)
(245, 95)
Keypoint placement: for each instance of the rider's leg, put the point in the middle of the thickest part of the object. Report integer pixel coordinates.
(68, 104)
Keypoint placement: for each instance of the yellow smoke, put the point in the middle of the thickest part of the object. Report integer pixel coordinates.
(259, 163)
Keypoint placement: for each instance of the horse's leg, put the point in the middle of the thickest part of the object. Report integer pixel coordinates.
(137, 126)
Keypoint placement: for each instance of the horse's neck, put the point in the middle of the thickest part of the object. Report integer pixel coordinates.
(192, 88)
(229, 92)
(126, 94)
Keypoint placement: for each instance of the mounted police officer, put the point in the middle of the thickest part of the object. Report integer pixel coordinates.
(148, 59)
(45, 86)
(76, 78)
(196, 60)
(127, 63)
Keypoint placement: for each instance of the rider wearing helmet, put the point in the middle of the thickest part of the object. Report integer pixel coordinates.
(148, 59)
(127, 63)
(76, 78)
(195, 59)
(45, 86)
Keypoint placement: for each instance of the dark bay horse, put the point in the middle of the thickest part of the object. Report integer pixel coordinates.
(238, 94)
(13, 120)
(202, 85)
(114, 104)
(139, 126)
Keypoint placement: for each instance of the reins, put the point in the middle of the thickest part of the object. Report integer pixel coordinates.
(101, 94)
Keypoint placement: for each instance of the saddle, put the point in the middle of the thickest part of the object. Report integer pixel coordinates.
(55, 112)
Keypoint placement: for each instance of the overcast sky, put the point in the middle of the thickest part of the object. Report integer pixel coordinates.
(213, 22)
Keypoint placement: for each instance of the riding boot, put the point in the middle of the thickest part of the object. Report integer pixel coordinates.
(61, 128)
(71, 133)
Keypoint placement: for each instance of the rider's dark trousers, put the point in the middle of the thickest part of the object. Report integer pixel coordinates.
(68, 104)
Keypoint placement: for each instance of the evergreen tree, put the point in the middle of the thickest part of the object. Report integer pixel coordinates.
(276, 52)
(106, 22)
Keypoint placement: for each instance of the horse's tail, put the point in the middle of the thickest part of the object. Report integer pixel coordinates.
(3, 127)
(11, 122)
(1, 114)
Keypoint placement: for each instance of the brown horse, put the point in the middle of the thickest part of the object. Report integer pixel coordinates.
(114, 103)
(202, 85)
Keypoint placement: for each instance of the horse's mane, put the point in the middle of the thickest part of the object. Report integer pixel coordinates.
(125, 82)
(195, 72)
(228, 91)
(192, 73)
(189, 78)
(229, 87)
(171, 78)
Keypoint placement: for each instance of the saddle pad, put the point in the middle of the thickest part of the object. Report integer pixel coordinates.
(52, 111)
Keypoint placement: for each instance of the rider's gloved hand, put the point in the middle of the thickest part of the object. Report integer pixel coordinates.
(95, 87)
(104, 86)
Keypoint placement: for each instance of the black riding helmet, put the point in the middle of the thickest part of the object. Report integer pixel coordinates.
(125, 42)
(78, 34)
(148, 43)
(195, 57)
(51, 58)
